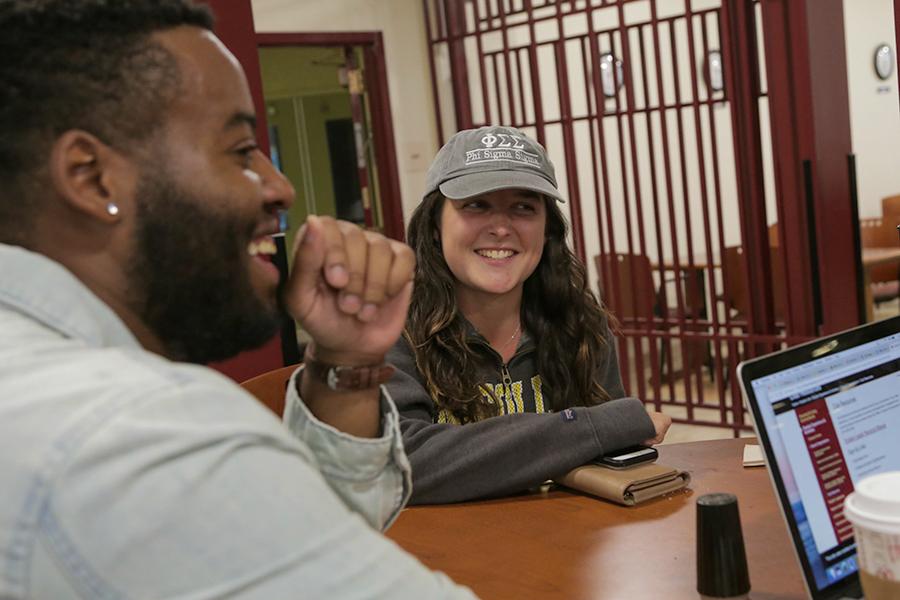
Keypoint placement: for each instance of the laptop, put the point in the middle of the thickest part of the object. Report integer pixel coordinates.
(827, 414)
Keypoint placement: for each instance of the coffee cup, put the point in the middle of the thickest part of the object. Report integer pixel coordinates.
(874, 510)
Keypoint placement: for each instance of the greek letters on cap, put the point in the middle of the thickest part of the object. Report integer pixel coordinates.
(503, 146)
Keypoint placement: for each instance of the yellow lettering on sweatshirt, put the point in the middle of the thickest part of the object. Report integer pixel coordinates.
(538, 396)
(517, 396)
(506, 403)
(445, 416)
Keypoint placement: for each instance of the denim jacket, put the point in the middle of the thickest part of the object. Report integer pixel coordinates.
(126, 475)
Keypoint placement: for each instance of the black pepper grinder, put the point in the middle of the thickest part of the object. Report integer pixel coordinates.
(721, 560)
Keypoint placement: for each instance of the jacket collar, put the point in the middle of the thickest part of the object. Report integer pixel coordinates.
(47, 292)
(526, 342)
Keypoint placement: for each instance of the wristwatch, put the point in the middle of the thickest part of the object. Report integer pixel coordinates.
(342, 378)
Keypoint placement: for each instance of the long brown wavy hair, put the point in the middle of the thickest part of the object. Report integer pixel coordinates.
(558, 310)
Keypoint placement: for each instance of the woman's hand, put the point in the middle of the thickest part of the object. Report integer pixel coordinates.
(661, 424)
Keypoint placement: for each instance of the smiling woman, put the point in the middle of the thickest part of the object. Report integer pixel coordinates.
(492, 243)
(503, 331)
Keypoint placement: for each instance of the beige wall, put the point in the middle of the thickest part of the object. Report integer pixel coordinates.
(409, 79)
(874, 110)
(875, 116)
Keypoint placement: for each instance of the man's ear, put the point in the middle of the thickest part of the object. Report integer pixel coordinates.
(91, 176)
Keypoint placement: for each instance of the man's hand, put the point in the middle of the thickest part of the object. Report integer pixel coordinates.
(661, 424)
(349, 289)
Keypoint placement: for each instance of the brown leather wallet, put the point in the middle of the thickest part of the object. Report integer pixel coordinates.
(626, 486)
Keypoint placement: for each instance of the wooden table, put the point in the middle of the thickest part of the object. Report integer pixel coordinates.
(563, 545)
(872, 257)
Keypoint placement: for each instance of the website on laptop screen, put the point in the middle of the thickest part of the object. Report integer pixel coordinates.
(832, 421)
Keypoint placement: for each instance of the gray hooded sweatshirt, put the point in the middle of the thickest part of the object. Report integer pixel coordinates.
(524, 446)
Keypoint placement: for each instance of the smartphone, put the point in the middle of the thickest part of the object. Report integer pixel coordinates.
(627, 457)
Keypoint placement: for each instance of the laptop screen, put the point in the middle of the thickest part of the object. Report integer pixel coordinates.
(828, 421)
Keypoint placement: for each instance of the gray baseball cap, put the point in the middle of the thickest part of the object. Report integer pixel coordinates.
(487, 159)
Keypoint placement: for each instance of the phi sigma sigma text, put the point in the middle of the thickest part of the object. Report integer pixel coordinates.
(490, 140)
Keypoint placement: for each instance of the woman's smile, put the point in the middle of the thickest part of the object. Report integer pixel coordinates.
(493, 242)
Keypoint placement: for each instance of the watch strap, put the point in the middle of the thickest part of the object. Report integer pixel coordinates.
(347, 378)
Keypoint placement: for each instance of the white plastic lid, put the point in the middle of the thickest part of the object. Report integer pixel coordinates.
(875, 503)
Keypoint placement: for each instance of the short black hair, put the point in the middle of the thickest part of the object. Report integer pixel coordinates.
(80, 64)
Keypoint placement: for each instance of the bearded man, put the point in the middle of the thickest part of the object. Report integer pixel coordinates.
(135, 220)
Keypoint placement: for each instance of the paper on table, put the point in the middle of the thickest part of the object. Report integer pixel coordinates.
(753, 456)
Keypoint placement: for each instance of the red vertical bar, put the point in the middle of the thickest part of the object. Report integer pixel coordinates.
(778, 31)
(535, 78)
(698, 134)
(667, 163)
(481, 57)
(704, 198)
(234, 26)
(441, 17)
(385, 148)
(357, 114)
(501, 119)
(737, 404)
(896, 26)
(600, 108)
(524, 121)
(516, 109)
(739, 57)
(651, 146)
(805, 63)
(682, 161)
(834, 210)
(432, 42)
(682, 276)
(506, 69)
(458, 69)
(640, 290)
(628, 115)
(713, 135)
(720, 226)
(612, 279)
(634, 257)
(623, 161)
(592, 118)
(654, 192)
(562, 74)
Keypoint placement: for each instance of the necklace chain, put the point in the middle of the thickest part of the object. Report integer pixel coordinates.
(512, 337)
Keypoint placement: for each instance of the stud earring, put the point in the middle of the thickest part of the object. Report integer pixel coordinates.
(112, 208)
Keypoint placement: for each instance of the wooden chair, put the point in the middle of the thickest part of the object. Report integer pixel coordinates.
(638, 298)
(884, 280)
(635, 301)
(773, 235)
(269, 388)
(632, 276)
(890, 212)
(736, 288)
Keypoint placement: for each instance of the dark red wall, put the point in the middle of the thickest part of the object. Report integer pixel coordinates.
(234, 26)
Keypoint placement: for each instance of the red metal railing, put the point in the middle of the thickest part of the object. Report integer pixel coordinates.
(675, 170)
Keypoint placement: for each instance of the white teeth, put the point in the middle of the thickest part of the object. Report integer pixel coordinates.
(262, 246)
(496, 253)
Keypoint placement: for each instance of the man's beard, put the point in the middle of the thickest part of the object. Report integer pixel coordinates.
(189, 275)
